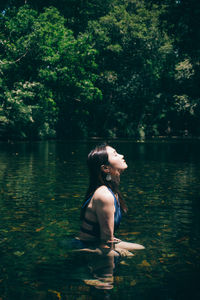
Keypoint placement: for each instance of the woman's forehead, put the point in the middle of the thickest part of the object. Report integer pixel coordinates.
(110, 149)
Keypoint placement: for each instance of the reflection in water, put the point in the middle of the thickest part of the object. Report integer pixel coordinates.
(101, 269)
(41, 189)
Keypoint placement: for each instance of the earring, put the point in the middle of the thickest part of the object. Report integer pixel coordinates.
(108, 177)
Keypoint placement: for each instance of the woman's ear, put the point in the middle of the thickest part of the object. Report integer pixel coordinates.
(105, 169)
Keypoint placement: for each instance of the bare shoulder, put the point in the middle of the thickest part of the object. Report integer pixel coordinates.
(104, 195)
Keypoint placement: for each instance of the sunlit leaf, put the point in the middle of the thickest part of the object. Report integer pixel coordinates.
(19, 253)
(20, 212)
(123, 263)
(145, 264)
(133, 283)
(130, 233)
(53, 222)
(39, 229)
(140, 192)
(57, 293)
(62, 224)
(118, 279)
(73, 209)
(168, 255)
(167, 229)
(16, 229)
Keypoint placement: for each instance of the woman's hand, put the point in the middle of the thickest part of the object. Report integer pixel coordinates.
(123, 252)
(119, 252)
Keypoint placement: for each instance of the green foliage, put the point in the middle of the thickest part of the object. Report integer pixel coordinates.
(133, 48)
(30, 110)
(59, 58)
(45, 69)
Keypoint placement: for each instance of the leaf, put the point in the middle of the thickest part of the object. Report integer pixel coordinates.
(15, 229)
(167, 229)
(130, 233)
(123, 263)
(133, 283)
(73, 209)
(39, 229)
(145, 264)
(57, 293)
(118, 279)
(140, 192)
(19, 253)
(76, 195)
(171, 255)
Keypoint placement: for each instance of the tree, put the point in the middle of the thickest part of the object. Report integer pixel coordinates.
(48, 75)
(77, 13)
(133, 57)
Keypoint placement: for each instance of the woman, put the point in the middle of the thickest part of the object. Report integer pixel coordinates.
(101, 210)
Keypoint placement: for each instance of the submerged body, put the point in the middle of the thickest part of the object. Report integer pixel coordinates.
(101, 211)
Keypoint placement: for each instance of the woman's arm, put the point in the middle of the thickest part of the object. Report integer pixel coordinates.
(105, 209)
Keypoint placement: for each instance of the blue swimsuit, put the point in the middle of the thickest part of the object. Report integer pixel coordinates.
(95, 231)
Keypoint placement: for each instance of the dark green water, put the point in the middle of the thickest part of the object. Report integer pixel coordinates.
(41, 187)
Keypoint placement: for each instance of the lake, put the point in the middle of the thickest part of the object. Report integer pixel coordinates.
(42, 185)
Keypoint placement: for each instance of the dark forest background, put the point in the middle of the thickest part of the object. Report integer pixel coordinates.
(112, 68)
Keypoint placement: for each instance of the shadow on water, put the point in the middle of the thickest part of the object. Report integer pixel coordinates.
(41, 189)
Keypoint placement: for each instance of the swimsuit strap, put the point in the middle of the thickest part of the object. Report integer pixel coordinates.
(117, 215)
(86, 202)
(116, 202)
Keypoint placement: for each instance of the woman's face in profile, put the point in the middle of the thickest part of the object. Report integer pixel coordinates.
(115, 159)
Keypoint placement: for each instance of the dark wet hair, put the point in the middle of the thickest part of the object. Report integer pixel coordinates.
(96, 158)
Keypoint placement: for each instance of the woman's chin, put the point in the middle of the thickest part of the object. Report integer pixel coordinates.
(125, 166)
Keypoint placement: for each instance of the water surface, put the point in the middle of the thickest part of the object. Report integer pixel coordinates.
(42, 185)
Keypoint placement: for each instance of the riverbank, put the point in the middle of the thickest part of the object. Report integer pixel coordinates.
(114, 139)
